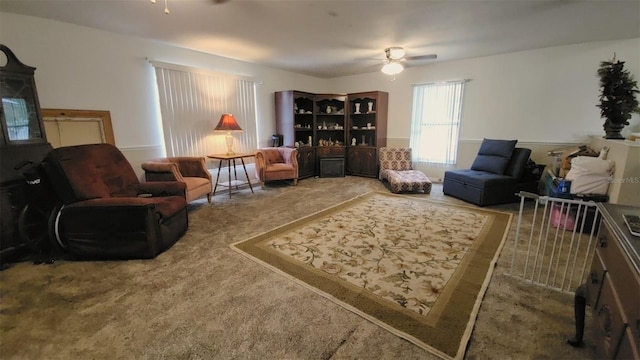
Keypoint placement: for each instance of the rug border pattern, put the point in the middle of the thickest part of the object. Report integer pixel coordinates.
(501, 217)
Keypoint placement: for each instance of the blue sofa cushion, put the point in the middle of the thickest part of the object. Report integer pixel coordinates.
(518, 162)
(494, 155)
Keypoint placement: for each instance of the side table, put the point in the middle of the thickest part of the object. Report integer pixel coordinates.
(229, 159)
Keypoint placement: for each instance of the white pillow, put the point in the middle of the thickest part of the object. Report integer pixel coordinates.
(589, 175)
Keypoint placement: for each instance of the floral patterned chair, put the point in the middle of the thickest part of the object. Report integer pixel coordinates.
(396, 167)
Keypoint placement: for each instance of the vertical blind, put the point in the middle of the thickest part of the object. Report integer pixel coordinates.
(435, 124)
(191, 103)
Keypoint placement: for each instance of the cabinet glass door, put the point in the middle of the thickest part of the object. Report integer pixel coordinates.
(20, 116)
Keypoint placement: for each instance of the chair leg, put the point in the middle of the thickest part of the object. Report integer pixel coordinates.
(295, 182)
(262, 184)
(209, 198)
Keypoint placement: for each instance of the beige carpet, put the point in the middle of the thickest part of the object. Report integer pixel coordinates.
(202, 300)
(417, 268)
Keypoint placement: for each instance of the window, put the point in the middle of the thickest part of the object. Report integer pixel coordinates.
(191, 103)
(435, 124)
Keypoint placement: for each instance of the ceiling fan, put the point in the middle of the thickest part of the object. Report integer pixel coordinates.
(395, 56)
(166, 4)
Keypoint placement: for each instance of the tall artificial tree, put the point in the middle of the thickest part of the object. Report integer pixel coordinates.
(618, 100)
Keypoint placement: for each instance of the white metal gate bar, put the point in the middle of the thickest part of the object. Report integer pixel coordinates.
(554, 241)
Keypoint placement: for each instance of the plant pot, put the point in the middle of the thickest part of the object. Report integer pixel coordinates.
(612, 130)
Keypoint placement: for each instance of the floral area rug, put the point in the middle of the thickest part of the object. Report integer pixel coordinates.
(418, 268)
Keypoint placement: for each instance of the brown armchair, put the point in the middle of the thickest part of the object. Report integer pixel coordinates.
(189, 170)
(276, 163)
(107, 212)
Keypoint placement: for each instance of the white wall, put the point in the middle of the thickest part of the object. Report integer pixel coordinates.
(84, 68)
(544, 96)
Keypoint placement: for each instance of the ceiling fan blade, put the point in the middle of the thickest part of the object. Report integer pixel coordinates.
(421, 57)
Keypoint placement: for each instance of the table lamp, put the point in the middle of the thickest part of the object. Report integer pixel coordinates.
(228, 123)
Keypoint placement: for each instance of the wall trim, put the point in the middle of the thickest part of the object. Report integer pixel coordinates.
(542, 143)
(140, 148)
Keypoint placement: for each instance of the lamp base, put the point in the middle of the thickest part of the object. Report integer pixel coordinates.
(229, 139)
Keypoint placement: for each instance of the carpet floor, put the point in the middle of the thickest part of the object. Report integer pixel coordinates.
(202, 300)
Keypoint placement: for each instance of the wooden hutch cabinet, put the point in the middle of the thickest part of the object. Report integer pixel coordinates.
(324, 126)
(367, 131)
(295, 122)
(22, 140)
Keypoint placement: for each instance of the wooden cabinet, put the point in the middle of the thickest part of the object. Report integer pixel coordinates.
(350, 126)
(294, 117)
(22, 140)
(613, 286)
(366, 131)
(362, 161)
(295, 122)
(306, 162)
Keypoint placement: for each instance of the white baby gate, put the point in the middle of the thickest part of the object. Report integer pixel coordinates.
(555, 241)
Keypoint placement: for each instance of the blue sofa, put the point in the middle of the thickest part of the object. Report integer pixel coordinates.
(496, 175)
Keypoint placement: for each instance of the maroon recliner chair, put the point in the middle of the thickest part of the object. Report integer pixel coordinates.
(107, 212)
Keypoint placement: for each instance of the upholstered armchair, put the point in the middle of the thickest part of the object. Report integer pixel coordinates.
(188, 170)
(107, 212)
(276, 163)
(396, 167)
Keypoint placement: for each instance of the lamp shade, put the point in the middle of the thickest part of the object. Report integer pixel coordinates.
(227, 123)
(392, 68)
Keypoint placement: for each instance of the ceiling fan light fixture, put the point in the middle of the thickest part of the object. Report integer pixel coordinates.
(392, 68)
(394, 53)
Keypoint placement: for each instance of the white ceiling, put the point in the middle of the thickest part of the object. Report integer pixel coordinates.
(328, 38)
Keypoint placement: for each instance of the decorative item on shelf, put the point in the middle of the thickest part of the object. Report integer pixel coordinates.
(310, 141)
(618, 100)
(353, 142)
(228, 124)
(319, 127)
(357, 108)
(363, 143)
(296, 144)
(301, 111)
(368, 125)
(370, 106)
(328, 111)
(324, 126)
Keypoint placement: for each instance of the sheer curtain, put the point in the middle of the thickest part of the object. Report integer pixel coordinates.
(435, 124)
(191, 103)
